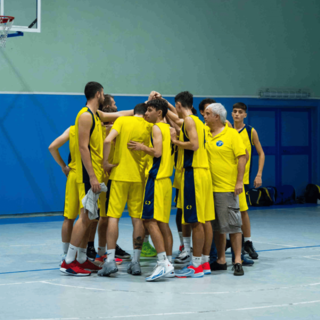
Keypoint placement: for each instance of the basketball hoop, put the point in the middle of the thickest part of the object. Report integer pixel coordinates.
(6, 23)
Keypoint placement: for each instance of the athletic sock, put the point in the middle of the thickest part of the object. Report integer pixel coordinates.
(186, 242)
(205, 259)
(247, 239)
(162, 256)
(71, 255)
(65, 247)
(82, 255)
(181, 239)
(91, 244)
(196, 261)
(136, 255)
(111, 253)
(101, 251)
(146, 238)
(169, 258)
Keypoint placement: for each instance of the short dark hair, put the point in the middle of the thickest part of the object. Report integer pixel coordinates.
(106, 106)
(185, 98)
(204, 102)
(159, 104)
(91, 89)
(194, 111)
(240, 105)
(140, 108)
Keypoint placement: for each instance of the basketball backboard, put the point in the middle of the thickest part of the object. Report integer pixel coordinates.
(27, 14)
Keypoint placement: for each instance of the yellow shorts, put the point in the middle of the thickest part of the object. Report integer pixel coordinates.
(157, 200)
(103, 199)
(122, 192)
(243, 201)
(72, 203)
(195, 196)
(177, 179)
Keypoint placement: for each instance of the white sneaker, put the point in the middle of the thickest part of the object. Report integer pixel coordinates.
(172, 274)
(169, 269)
(183, 257)
(158, 272)
(62, 257)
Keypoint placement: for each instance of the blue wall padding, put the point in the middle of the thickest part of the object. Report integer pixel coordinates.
(31, 181)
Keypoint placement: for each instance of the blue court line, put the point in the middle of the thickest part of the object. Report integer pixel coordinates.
(317, 246)
(288, 248)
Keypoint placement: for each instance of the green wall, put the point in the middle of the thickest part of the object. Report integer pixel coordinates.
(217, 47)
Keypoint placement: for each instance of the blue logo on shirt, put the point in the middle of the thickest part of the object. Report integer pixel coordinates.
(219, 143)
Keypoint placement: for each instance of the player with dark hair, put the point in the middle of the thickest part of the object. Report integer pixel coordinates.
(204, 103)
(250, 138)
(158, 191)
(196, 186)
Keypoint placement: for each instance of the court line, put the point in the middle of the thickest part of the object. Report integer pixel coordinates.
(28, 282)
(311, 257)
(183, 293)
(191, 312)
(275, 244)
(30, 270)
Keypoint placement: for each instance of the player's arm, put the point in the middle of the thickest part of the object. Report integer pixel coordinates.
(247, 156)
(113, 116)
(54, 150)
(156, 150)
(174, 117)
(85, 124)
(258, 179)
(173, 125)
(193, 143)
(107, 167)
(241, 169)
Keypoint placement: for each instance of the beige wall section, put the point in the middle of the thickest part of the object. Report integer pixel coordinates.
(217, 47)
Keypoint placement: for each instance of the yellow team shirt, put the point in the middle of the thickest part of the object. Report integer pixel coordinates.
(162, 167)
(72, 157)
(189, 158)
(223, 152)
(95, 148)
(131, 164)
(246, 135)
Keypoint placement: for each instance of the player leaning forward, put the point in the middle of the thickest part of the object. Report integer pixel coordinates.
(195, 196)
(158, 191)
(227, 159)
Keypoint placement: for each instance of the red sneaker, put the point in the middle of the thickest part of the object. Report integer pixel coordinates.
(206, 268)
(100, 260)
(190, 271)
(74, 269)
(88, 265)
(118, 261)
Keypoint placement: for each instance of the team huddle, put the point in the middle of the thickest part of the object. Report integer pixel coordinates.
(134, 153)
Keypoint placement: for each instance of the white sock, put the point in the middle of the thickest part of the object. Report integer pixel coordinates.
(169, 258)
(146, 238)
(101, 251)
(71, 255)
(205, 259)
(111, 253)
(228, 236)
(196, 261)
(136, 255)
(186, 242)
(247, 239)
(82, 255)
(65, 247)
(162, 256)
(181, 238)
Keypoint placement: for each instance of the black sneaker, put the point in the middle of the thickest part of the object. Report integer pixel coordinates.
(121, 254)
(238, 271)
(228, 244)
(248, 248)
(91, 253)
(215, 266)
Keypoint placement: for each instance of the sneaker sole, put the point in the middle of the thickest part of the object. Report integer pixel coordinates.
(123, 257)
(207, 272)
(107, 274)
(182, 261)
(148, 279)
(237, 275)
(63, 270)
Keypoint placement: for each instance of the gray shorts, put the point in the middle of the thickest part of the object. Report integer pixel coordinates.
(228, 216)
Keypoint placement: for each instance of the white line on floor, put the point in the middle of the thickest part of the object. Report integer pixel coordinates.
(24, 245)
(276, 244)
(312, 257)
(191, 312)
(11, 284)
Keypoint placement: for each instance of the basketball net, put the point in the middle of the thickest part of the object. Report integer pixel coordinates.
(6, 23)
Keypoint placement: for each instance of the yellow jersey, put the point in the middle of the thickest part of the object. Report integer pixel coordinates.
(246, 135)
(72, 157)
(162, 167)
(188, 158)
(95, 148)
(131, 164)
(223, 152)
